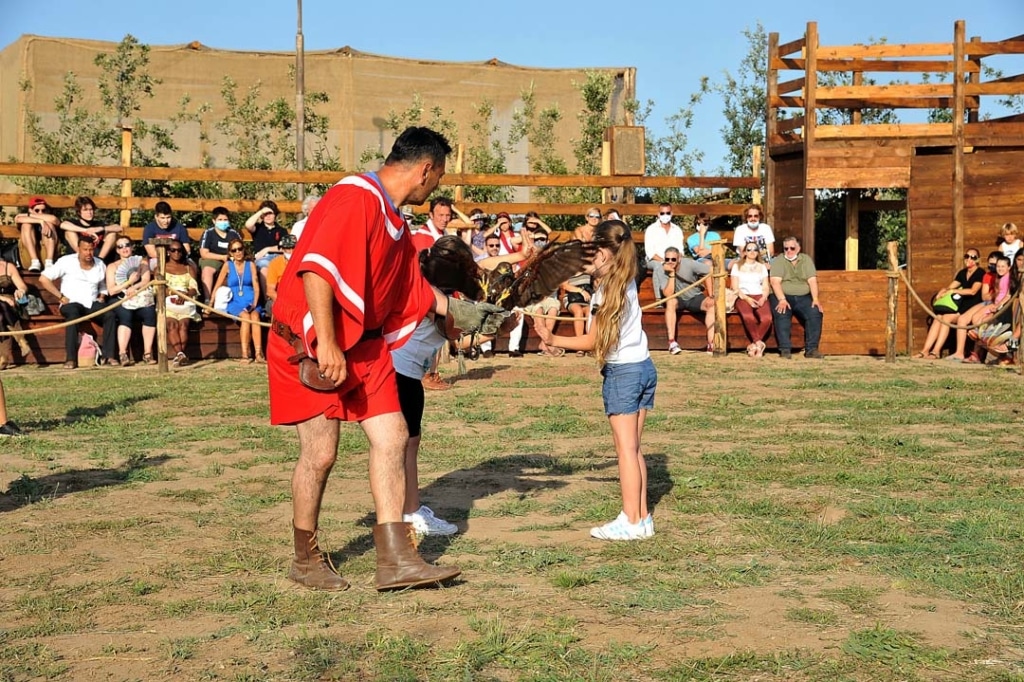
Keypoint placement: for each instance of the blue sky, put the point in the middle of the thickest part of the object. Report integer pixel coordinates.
(672, 43)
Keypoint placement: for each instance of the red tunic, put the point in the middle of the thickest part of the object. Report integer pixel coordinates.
(425, 237)
(357, 241)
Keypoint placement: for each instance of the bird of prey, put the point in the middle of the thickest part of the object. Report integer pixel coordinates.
(538, 277)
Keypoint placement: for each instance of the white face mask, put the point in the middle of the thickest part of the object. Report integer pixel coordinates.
(753, 222)
(665, 219)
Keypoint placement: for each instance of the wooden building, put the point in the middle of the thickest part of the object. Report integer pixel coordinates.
(961, 178)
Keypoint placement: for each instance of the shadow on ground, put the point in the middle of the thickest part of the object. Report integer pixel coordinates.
(455, 493)
(28, 490)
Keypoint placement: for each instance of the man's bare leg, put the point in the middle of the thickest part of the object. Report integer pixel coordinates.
(388, 435)
(412, 487)
(318, 450)
(671, 317)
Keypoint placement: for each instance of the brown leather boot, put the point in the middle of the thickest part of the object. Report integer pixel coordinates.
(310, 567)
(432, 381)
(398, 562)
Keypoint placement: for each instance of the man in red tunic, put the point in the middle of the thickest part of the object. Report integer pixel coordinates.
(352, 292)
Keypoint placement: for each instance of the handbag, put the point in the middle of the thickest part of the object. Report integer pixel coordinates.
(944, 305)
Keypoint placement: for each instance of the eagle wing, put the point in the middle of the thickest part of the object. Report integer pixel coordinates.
(544, 273)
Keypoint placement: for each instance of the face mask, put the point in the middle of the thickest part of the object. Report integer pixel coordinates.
(540, 243)
(221, 225)
(664, 219)
(753, 222)
(991, 267)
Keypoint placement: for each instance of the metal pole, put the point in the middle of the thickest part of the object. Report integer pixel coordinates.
(300, 103)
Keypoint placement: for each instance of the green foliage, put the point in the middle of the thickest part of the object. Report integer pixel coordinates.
(486, 154)
(669, 155)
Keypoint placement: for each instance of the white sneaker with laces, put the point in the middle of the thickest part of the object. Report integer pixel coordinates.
(35, 265)
(425, 523)
(674, 348)
(620, 529)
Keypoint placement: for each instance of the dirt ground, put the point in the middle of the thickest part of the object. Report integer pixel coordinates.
(176, 569)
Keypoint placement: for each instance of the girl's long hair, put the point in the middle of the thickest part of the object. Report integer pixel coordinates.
(615, 236)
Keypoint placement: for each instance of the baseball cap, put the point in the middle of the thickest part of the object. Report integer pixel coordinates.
(288, 241)
(503, 215)
(36, 201)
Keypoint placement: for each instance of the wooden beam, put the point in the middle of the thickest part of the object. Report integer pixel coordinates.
(871, 65)
(784, 125)
(996, 87)
(787, 102)
(871, 91)
(450, 180)
(790, 47)
(791, 86)
(887, 50)
(879, 130)
(771, 129)
(980, 49)
(892, 102)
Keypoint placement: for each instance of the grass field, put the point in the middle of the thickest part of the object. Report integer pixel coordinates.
(835, 520)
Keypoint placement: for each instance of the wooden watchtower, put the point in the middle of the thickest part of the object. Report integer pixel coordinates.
(963, 178)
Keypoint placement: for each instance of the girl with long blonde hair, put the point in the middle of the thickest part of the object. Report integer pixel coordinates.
(616, 336)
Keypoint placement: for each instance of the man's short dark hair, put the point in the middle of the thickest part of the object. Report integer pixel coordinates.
(418, 143)
(162, 207)
(440, 201)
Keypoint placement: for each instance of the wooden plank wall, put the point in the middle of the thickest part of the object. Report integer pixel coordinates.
(929, 232)
(848, 164)
(786, 202)
(993, 195)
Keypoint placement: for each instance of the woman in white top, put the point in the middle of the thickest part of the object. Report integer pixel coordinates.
(750, 282)
(616, 335)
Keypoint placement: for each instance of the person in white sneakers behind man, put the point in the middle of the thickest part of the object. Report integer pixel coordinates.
(424, 238)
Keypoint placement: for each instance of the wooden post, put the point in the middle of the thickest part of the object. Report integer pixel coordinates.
(894, 290)
(756, 194)
(300, 102)
(460, 156)
(810, 121)
(126, 161)
(606, 169)
(771, 130)
(959, 242)
(852, 229)
(718, 287)
(161, 244)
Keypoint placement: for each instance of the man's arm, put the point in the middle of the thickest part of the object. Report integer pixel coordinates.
(329, 356)
(812, 282)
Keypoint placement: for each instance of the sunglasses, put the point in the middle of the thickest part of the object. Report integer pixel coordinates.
(665, 213)
(971, 256)
(789, 248)
(753, 215)
(671, 260)
(593, 215)
(237, 250)
(175, 250)
(123, 245)
(753, 250)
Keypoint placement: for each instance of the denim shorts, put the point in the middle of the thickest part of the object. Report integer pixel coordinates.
(629, 388)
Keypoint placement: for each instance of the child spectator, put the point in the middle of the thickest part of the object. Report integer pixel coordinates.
(1011, 243)
(617, 337)
(213, 249)
(266, 237)
(38, 224)
(163, 226)
(85, 222)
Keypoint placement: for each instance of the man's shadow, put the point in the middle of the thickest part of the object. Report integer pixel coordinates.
(28, 490)
(81, 413)
(522, 473)
(478, 373)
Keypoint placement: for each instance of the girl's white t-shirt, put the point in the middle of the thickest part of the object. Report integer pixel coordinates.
(751, 281)
(632, 346)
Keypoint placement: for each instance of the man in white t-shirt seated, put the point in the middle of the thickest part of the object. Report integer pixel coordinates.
(83, 290)
(753, 231)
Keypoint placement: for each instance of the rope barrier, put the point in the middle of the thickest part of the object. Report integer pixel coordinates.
(119, 302)
(931, 313)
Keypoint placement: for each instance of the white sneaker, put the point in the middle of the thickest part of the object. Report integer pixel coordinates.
(35, 265)
(48, 263)
(647, 523)
(674, 348)
(620, 529)
(425, 523)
